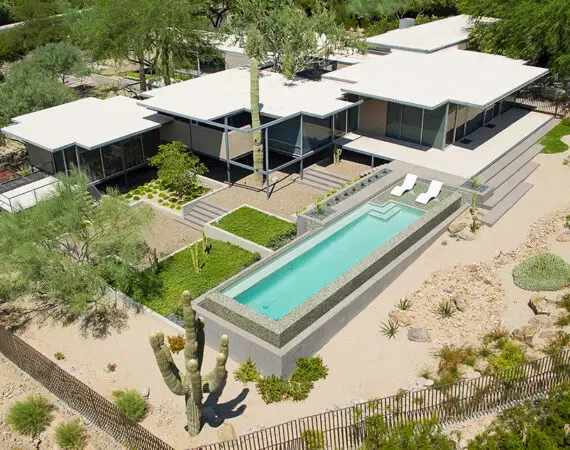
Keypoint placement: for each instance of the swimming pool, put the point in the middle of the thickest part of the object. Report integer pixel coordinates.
(284, 283)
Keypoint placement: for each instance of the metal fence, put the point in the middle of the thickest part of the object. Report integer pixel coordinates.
(546, 99)
(346, 428)
(77, 395)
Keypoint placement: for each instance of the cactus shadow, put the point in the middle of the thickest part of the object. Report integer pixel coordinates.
(215, 413)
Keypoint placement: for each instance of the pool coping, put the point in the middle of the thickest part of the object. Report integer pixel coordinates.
(279, 332)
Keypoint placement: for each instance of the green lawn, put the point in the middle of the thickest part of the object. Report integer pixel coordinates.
(256, 226)
(552, 141)
(161, 292)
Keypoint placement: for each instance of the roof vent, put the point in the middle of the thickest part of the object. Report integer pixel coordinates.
(407, 22)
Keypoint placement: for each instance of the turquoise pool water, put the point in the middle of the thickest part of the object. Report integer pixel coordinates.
(280, 286)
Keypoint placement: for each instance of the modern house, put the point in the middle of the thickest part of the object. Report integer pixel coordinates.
(418, 96)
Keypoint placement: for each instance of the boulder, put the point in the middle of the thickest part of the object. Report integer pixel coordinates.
(525, 333)
(456, 227)
(541, 322)
(145, 392)
(466, 235)
(419, 335)
(460, 303)
(467, 372)
(539, 305)
(546, 335)
(563, 237)
(401, 317)
(226, 432)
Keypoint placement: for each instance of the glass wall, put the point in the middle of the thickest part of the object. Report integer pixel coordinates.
(316, 132)
(340, 123)
(450, 129)
(474, 120)
(416, 125)
(433, 134)
(90, 163)
(285, 137)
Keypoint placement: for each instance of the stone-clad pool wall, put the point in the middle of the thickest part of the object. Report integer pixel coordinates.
(275, 345)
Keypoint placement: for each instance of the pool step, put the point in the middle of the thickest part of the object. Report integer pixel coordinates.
(387, 215)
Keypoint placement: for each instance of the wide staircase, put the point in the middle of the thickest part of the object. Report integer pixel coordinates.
(197, 214)
(321, 179)
(507, 175)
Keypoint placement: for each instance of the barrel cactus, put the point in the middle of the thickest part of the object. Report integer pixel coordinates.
(192, 384)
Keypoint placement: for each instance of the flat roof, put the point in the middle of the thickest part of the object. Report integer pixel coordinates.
(428, 37)
(429, 80)
(89, 123)
(223, 93)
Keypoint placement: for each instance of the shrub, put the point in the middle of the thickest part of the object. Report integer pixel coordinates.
(498, 337)
(510, 355)
(450, 357)
(149, 196)
(71, 436)
(310, 370)
(111, 367)
(299, 390)
(542, 272)
(30, 416)
(247, 372)
(131, 403)
(273, 389)
(313, 439)
(176, 343)
(59, 356)
(559, 342)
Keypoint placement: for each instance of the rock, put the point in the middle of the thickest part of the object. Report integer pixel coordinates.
(525, 333)
(467, 372)
(539, 305)
(466, 235)
(419, 335)
(145, 392)
(226, 432)
(541, 322)
(563, 237)
(12, 155)
(546, 335)
(460, 303)
(457, 227)
(401, 317)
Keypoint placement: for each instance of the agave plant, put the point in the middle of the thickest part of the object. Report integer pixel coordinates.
(389, 329)
(404, 304)
(445, 309)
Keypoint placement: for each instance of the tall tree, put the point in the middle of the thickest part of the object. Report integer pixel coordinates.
(30, 87)
(163, 36)
(61, 251)
(538, 31)
(60, 59)
(294, 41)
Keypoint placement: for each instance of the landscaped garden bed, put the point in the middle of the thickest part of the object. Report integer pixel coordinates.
(553, 142)
(259, 227)
(324, 205)
(156, 192)
(196, 269)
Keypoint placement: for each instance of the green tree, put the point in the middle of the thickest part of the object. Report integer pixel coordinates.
(29, 88)
(61, 251)
(294, 41)
(5, 12)
(61, 59)
(162, 36)
(535, 31)
(178, 168)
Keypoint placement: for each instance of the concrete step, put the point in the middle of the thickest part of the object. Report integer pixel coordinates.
(510, 184)
(515, 166)
(313, 184)
(319, 177)
(341, 179)
(517, 150)
(194, 223)
(384, 216)
(325, 184)
(211, 207)
(501, 208)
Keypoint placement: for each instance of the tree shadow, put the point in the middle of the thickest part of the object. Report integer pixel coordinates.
(214, 413)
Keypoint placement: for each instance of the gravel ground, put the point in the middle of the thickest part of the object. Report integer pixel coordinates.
(287, 196)
(167, 234)
(350, 167)
(16, 385)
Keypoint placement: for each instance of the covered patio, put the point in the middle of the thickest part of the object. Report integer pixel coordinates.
(461, 160)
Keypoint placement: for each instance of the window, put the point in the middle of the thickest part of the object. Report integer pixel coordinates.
(450, 130)
(433, 132)
(90, 162)
(316, 132)
(393, 120)
(411, 129)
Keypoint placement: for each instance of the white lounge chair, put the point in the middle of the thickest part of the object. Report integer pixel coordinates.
(407, 185)
(432, 192)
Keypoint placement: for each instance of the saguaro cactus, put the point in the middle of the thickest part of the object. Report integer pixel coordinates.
(192, 385)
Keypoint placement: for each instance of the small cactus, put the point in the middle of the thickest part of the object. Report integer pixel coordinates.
(192, 384)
